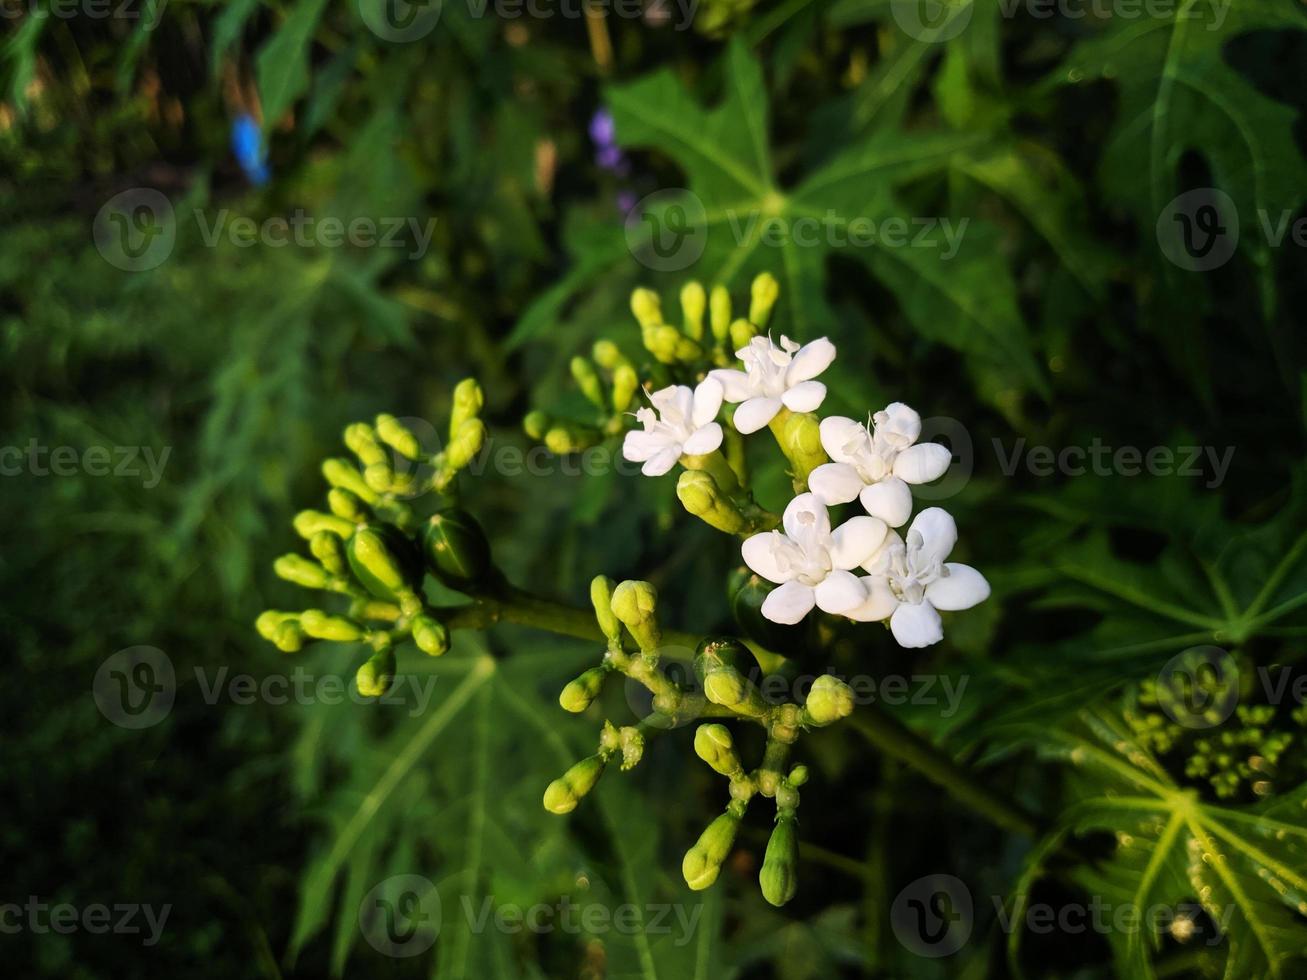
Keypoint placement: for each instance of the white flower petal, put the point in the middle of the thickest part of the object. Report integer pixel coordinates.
(804, 515)
(835, 483)
(889, 499)
(661, 461)
(856, 540)
(806, 396)
(639, 445)
(789, 603)
(735, 384)
(880, 603)
(916, 625)
(755, 413)
(707, 402)
(759, 553)
(878, 564)
(842, 438)
(705, 439)
(810, 361)
(898, 424)
(961, 587)
(922, 463)
(839, 592)
(939, 532)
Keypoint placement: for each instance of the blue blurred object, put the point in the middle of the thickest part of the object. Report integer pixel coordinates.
(247, 145)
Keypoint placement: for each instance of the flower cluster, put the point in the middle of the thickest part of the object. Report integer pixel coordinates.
(862, 570)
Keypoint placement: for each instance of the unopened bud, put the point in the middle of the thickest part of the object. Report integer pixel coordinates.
(742, 331)
(800, 440)
(607, 355)
(362, 442)
(289, 638)
(377, 674)
(701, 496)
(714, 745)
(455, 547)
(663, 342)
(587, 379)
(635, 604)
(762, 298)
(467, 401)
(270, 621)
(398, 437)
(647, 308)
(694, 302)
(601, 597)
(536, 424)
(346, 506)
(320, 626)
(430, 635)
(564, 793)
(829, 700)
(465, 445)
(779, 877)
(704, 860)
(309, 522)
(384, 561)
(580, 693)
(564, 439)
(341, 473)
(719, 308)
(625, 384)
(302, 571)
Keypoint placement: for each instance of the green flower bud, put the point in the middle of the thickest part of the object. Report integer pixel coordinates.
(580, 693)
(341, 473)
(742, 331)
(607, 355)
(731, 689)
(647, 308)
(374, 609)
(798, 775)
(362, 442)
(714, 745)
(309, 522)
(701, 496)
(694, 302)
(800, 441)
(635, 604)
(384, 561)
(467, 402)
(787, 797)
(320, 626)
(430, 635)
(398, 437)
(721, 653)
(564, 793)
(719, 308)
(704, 860)
(329, 550)
(379, 476)
(587, 379)
(455, 548)
(625, 384)
(536, 424)
(663, 342)
(348, 507)
(829, 700)
(563, 439)
(762, 297)
(289, 638)
(464, 447)
(377, 674)
(779, 877)
(601, 597)
(301, 571)
(270, 621)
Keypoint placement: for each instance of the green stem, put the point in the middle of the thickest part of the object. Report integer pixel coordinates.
(895, 739)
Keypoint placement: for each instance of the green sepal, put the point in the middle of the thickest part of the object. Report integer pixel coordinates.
(455, 548)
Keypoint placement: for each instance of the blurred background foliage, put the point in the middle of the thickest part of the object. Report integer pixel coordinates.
(1061, 140)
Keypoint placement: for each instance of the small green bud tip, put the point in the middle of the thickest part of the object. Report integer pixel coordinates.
(371, 556)
(635, 604)
(587, 379)
(309, 522)
(779, 875)
(535, 424)
(646, 307)
(704, 860)
(719, 307)
(714, 745)
(361, 440)
(430, 635)
(269, 623)
(301, 571)
(580, 693)
(377, 674)
(663, 342)
(341, 473)
(379, 476)
(625, 384)
(798, 775)
(398, 437)
(701, 496)
(347, 507)
(601, 597)
(564, 439)
(320, 626)
(762, 295)
(607, 355)
(464, 446)
(742, 331)
(329, 550)
(564, 793)
(467, 402)
(289, 638)
(829, 700)
(694, 302)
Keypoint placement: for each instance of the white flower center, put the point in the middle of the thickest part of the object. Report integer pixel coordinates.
(805, 556)
(766, 365)
(910, 569)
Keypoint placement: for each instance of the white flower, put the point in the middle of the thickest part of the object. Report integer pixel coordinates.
(775, 376)
(910, 581)
(876, 466)
(810, 562)
(682, 425)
